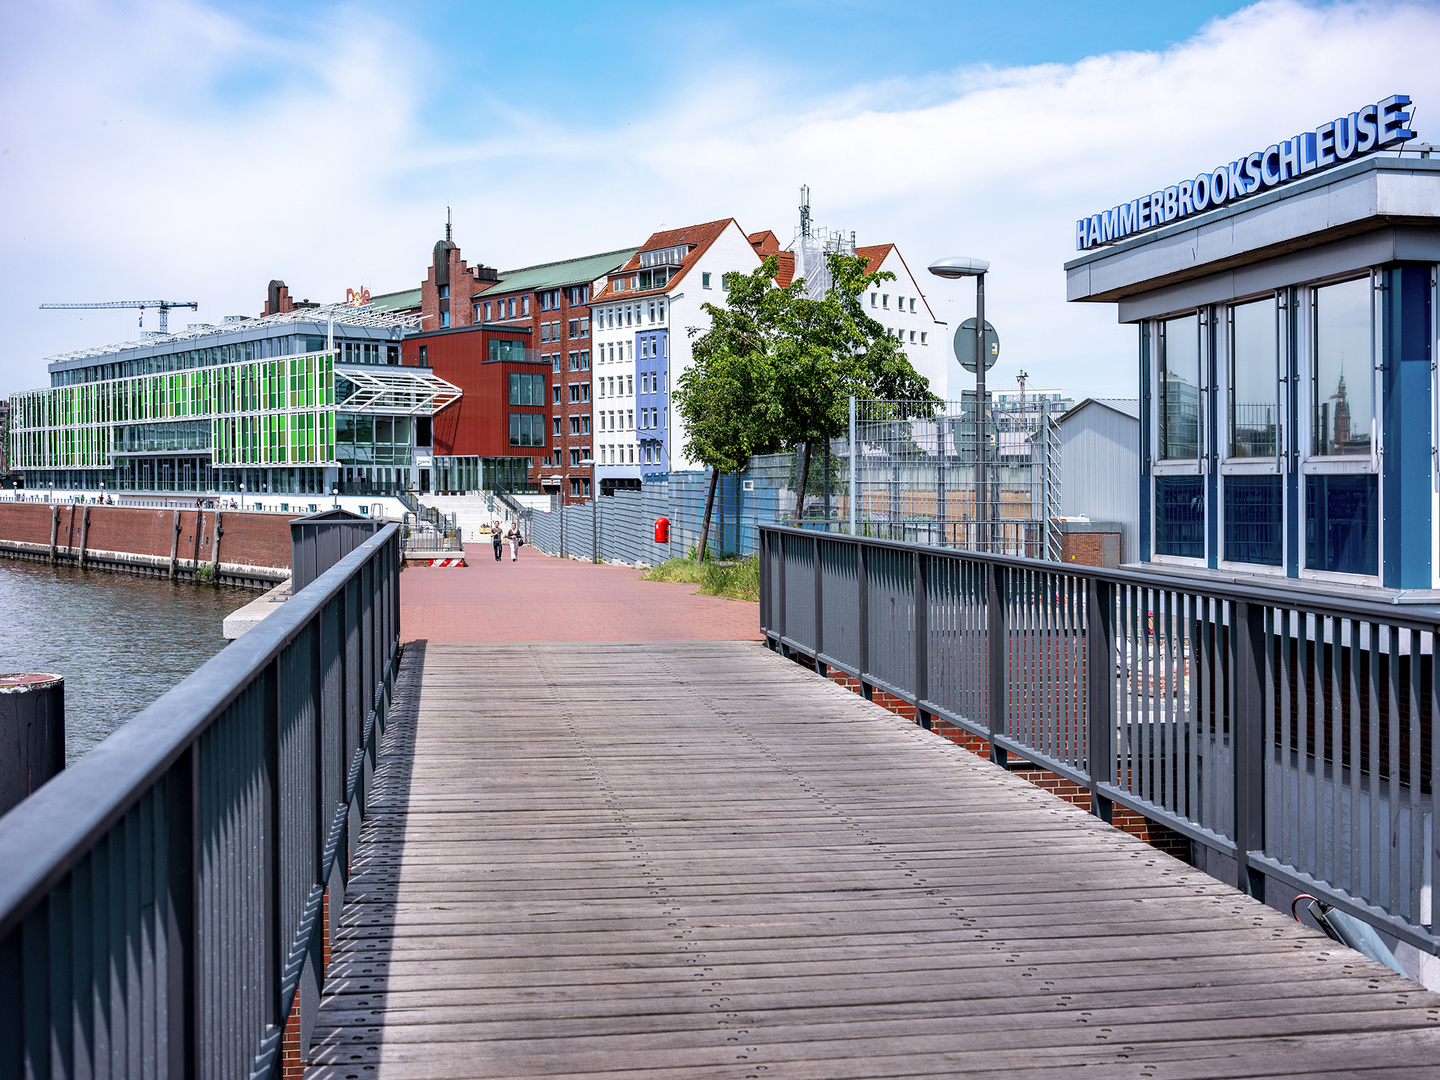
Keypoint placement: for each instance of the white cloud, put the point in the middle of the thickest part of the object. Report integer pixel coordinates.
(183, 154)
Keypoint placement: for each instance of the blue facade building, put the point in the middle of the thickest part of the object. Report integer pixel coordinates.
(1286, 342)
(652, 399)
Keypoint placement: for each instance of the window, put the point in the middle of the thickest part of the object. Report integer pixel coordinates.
(574, 361)
(555, 394)
(912, 303)
(585, 391)
(1254, 398)
(527, 429)
(922, 337)
(424, 356)
(872, 299)
(444, 292)
(527, 389)
(585, 327)
(630, 382)
(1179, 377)
(487, 310)
(1343, 390)
(584, 425)
(885, 303)
(525, 305)
(574, 328)
(544, 331)
(661, 309)
(705, 283)
(585, 360)
(1180, 516)
(557, 427)
(574, 392)
(574, 425)
(555, 361)
(575, 458)
(1341, 534)
(1254, 520)
(912, 340)
(512, 307)
(444, 319)
(629, 419)
(652, 311)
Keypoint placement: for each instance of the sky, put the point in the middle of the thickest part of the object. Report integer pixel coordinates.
(182, 150)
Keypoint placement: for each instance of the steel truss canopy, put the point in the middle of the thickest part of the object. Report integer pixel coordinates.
(408, 391)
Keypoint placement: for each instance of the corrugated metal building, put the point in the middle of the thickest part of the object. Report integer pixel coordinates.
(1100, 466)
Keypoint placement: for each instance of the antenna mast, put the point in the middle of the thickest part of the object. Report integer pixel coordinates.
(804, 209)
(447, 224)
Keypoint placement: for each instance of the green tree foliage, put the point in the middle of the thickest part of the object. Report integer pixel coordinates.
(776, 369)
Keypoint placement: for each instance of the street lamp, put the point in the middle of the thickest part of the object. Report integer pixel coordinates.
(589, 463)
(952, 268)
(242, 496)
(335, 494)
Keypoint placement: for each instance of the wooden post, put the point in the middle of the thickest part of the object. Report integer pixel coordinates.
(84, 534)
(175, 545)
(215, 543)
(54, 530)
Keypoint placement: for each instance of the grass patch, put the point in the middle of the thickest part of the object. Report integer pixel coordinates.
(734, 580)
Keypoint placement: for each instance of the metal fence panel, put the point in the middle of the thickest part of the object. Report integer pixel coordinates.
(161, 898)
(1296, 736)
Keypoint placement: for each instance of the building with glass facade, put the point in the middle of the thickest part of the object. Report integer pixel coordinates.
(1288, 401)
(310, 401)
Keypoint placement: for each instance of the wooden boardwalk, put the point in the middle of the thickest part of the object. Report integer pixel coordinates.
(698, 859)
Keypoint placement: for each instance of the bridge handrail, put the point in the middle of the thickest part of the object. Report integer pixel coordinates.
(169, 887)
(1288, 727)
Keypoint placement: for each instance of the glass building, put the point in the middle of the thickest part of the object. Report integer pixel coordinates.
(312, 401)
(1286, 343)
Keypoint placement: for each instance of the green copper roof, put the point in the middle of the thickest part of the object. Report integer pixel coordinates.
(396, 301)
(569, 272)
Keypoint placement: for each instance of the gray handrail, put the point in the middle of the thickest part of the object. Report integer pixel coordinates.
(184, 862)
(1287, 727)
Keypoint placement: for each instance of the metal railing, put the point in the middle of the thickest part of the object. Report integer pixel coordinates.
(161, 901)
(1289, 729)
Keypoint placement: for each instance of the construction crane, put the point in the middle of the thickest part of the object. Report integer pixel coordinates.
(162, 306)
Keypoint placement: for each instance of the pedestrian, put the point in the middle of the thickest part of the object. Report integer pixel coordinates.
(496, 538)
(514, 537)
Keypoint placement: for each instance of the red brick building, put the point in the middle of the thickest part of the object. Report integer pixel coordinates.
(548, 308)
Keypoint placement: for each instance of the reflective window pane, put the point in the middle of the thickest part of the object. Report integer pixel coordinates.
(1254, 380)
(1254, 520)
(1180, 516)
(1179, 370)
(1342, 382)
(1341, 534)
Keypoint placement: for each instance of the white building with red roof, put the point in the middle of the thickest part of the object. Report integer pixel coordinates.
(641, 338)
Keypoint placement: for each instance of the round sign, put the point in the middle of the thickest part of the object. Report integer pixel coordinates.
(965, 345)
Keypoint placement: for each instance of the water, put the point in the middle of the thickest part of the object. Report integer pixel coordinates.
(120, 640)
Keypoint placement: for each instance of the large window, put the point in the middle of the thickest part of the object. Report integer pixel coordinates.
(1179, 378)
(527, 429)
(1342, 386)
(1254, 380)
(502, 349)
(1341, 535)
(526, 389)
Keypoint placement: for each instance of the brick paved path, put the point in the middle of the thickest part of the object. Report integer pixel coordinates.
(540, 598)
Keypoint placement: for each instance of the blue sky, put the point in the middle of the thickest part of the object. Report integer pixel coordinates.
(194, 151)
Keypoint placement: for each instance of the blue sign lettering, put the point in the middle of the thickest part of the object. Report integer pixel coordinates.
(1369, 128)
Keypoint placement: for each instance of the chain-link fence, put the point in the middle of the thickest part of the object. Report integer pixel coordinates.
(913, 472)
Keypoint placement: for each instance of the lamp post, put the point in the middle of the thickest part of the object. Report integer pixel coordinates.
(242, 495)
(952, 268)
(335, 494)
(589, 463)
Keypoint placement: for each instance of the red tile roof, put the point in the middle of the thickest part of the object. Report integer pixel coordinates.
(765, 243)
(875, 253)
(701, 236)
(785, 272)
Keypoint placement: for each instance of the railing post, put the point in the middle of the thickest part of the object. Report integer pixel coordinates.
(922, 638)
(762, 543)
(1100, 691)
(862, 582)
(182, 862)
(819, 609)
(1247, 623)
(998, 654)
(780, 595)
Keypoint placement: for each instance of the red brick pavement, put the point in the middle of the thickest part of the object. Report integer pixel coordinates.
(539, 598)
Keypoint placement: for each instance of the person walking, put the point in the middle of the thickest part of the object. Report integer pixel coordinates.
(514, 537)
(496, 538)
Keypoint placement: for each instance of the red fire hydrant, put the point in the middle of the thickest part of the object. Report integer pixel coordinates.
(662, 530)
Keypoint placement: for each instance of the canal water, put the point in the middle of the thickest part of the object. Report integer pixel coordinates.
(120, 640)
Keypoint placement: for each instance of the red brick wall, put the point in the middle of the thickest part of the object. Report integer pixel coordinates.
(1083, 548)
(251, 539)
(1153, 833)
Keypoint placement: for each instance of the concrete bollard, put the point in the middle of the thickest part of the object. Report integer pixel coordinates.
(32, 734)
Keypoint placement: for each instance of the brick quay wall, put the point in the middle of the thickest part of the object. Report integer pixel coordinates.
(234, 546)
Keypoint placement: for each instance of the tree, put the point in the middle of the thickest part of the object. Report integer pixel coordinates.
(833, 351)
(776, 369)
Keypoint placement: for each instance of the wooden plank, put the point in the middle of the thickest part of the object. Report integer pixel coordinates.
(699, 859)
